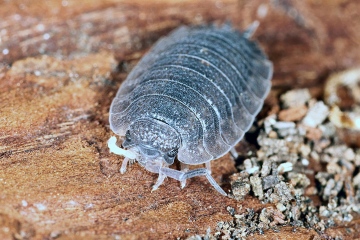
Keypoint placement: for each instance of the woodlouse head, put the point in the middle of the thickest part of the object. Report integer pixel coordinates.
(154, 141)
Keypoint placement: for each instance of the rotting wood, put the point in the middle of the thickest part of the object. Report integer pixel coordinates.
(58, 73)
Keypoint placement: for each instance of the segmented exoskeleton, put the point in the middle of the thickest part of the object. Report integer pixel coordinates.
(193, 96)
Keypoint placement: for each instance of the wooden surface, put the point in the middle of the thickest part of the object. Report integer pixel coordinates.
(61, 62)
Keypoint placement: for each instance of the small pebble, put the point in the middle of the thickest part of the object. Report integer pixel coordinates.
(285, 167)
(316, 114)
(291, 142)
(295, 97)
(293, 114)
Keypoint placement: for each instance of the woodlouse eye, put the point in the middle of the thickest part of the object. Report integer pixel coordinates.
(128, 136)
(172, 153)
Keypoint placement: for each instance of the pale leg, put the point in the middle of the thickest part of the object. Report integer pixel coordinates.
(124, 165)
(234, 153)
(159, 181)
(180, 176)
(184, 168)
(208, 166)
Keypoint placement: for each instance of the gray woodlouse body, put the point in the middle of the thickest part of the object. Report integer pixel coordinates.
(193, 96)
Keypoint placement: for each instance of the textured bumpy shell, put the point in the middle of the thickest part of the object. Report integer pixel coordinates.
(208, 83)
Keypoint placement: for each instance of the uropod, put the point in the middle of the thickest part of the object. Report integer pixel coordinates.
(191, 97)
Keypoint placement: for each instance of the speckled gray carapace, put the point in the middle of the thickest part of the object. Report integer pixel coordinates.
(193, 96)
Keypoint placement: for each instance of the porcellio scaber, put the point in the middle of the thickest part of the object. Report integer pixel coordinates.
(191, 97)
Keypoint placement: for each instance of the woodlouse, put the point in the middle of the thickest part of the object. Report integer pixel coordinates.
(193, 96)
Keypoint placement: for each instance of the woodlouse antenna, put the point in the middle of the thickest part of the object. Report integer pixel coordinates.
(119, 151)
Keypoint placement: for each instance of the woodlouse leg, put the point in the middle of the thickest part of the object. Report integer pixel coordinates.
(208, 166)
(251, 29)
(204, 172)
(180, 176)
(124, 165)
(234, 153)
(184, 168)
(159, 181)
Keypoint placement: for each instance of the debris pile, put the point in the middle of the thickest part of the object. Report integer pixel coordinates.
(301, 159)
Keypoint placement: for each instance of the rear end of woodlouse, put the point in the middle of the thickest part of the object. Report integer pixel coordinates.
(193, 96)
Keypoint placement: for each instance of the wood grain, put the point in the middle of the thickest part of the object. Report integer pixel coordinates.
(61, 63)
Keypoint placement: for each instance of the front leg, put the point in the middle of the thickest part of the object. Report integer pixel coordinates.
(159, 181)
(184, 168)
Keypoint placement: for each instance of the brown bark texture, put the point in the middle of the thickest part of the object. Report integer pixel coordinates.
(61, 63)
